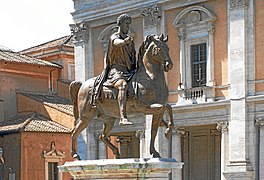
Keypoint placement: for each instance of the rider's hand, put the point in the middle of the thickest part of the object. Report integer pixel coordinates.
(128, 40)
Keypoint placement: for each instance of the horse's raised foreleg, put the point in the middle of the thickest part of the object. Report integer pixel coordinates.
(108, 125)
(160, 108)
(154, 130)
(170, 125)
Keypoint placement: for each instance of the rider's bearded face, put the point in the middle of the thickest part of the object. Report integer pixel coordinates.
(125, 26)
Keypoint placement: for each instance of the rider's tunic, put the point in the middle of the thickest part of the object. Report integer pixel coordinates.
(121, 61)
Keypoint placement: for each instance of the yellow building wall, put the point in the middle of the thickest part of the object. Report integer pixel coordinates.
(259, 63)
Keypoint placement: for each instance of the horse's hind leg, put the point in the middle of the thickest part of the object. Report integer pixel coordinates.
(80, 126)
(108, 125)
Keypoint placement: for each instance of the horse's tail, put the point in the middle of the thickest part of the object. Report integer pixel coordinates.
(74, 89)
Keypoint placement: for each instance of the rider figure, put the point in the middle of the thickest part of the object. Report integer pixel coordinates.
(121, 61)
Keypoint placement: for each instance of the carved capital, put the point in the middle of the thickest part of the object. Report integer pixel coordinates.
(222, 126)
(152, 15)
(182, 36)
(180, 131)
(211, 27)
(238, 3)
(140, 134)
(214, 132)
(259, 123)
(123, 139)
(79, 32)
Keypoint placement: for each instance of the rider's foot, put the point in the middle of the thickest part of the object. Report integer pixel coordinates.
(124, 121)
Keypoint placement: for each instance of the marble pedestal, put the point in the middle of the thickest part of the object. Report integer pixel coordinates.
(112, 169)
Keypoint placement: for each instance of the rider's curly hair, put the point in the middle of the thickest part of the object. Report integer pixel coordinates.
(122, 18)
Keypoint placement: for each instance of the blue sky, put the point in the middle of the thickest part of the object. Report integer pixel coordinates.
(26, 23)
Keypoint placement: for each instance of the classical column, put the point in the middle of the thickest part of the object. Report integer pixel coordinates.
(141, 136)
(152, 17)
(176, 151)
(91, 140)
(182, 36)
(210, 59)
(124, 145)
(147, 137)
(260, 124)
(82, 51)
(223, 128)
(100, 149)
(237, 56)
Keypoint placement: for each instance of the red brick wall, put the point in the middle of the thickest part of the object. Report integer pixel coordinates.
(33, 144)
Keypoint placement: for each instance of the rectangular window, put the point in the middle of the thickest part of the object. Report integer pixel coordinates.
(53, 171)
(198, 61)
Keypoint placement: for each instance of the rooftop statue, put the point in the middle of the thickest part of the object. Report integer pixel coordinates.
(126, 87)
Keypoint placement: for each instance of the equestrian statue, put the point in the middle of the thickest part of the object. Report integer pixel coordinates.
(126, 87)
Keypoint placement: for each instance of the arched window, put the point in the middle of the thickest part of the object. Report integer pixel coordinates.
(196, 32)
(53, 159)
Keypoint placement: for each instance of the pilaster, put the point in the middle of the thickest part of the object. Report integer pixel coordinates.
(141, 136)
(177, 151)
(223, 128)
(147, 137)
(182, 36)
(91, 142)
(238, 166)
(82, 51)
(210, 63)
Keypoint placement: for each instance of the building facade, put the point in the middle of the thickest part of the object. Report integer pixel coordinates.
(216, 85)
(35, 111)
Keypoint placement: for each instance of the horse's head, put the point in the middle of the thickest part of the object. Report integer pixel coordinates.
(159, 52)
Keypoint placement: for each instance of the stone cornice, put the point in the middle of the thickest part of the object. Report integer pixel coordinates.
(92, 12)
(100, 12)
(191, 107)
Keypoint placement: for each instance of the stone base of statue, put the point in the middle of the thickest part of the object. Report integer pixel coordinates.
(112, 169)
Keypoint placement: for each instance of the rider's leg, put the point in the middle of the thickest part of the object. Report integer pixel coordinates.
(122, 86)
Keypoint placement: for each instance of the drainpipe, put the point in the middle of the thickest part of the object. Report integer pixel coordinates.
(50, 81)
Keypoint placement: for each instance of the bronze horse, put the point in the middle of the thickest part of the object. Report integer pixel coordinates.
(149, 95)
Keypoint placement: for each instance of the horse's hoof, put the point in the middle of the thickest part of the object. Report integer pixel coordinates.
(117, 157)
(168, 133)
(156, 155)
(76, 157)
(124, 122)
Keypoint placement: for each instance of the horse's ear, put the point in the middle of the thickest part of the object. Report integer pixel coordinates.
(166, 39)
(161, 37)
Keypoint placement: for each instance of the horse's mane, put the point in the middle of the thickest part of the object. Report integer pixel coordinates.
(142, 49)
